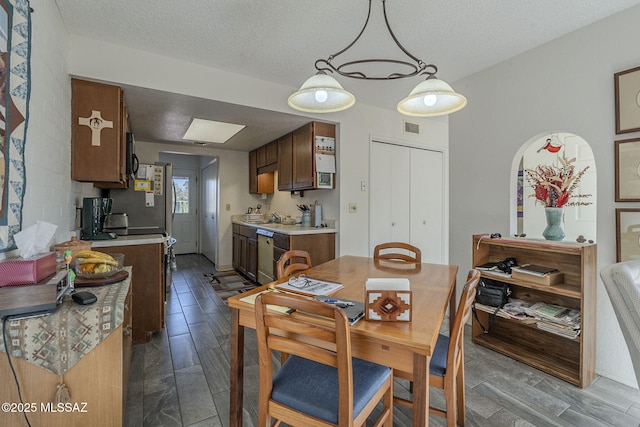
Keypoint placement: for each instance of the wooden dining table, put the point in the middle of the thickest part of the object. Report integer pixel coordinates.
(403, 346)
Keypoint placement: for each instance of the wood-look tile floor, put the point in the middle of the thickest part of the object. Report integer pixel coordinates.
(181, 377)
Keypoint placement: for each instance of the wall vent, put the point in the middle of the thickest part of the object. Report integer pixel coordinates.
(413, 128)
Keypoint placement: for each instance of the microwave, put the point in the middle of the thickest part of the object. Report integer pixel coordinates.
(324, 180)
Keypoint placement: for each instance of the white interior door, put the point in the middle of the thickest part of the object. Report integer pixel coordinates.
(406, 199)
(389, 194)
(185, 225)
(427, 204)
(209, 241)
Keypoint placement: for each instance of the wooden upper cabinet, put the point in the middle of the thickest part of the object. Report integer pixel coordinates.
(259, 183)
(285, 162)
(304, 170)
(272, 152)
(261, 156)
(253, 172)
(303, 158)
(296, 156)
(267, 155)
(98, 133)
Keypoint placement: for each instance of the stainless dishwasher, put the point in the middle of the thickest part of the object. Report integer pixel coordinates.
(265, 256)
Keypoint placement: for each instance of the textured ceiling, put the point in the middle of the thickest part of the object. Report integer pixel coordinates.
(279, 40)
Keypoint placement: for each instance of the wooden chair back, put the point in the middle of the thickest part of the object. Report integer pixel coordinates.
(381, 252)
(454, 352)
(323, 337)
(453, 380)
(291, 262)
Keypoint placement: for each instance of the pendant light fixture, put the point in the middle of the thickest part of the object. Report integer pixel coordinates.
(322, 93)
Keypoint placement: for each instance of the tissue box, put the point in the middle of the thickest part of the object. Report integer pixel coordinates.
(388, 299)
(27, 271)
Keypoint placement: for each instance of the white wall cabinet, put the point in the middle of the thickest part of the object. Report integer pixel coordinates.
(406, 201)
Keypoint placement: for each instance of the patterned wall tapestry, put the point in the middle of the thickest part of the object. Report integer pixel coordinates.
(15, 73)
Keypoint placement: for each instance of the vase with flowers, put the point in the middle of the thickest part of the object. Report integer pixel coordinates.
(554, 187)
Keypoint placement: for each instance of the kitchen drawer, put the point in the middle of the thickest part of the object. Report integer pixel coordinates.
(281, 241)
(250, 232)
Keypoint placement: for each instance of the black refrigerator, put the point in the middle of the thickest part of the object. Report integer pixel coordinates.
(148, 202)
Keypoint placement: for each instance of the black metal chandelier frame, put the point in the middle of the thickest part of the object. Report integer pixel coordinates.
(419, 67)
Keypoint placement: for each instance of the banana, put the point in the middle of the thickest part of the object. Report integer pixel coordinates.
(84, 253)
(96, 260)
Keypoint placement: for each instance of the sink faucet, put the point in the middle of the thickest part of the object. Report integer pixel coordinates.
(276, 218)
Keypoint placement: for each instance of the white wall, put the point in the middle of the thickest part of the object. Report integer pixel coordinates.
(103, 61)
(563, 86)
(50, 194)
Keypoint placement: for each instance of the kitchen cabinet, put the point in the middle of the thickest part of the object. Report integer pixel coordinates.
(321, 247)
(285, 162)
(296, 156)
(147, 262)
(267, 154)
(245, 250)
(262, 183)
(572, 360)
(98, 134)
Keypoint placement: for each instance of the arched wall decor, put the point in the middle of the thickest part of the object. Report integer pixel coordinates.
(15, 73)
(526, 217)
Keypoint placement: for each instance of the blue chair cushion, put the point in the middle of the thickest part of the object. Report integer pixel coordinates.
(438, 365)
(312, 388)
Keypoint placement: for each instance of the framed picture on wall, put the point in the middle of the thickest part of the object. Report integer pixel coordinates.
(627, 170)
(627, 100)
(627, 234)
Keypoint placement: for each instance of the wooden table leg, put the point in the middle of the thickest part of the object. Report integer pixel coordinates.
(236, 378)
(420, 390)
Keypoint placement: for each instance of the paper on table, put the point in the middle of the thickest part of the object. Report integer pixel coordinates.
(387, 284)
(251, 299)
(325, 163)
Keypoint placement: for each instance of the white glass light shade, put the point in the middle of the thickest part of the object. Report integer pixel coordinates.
(421, 101)
(321, 93)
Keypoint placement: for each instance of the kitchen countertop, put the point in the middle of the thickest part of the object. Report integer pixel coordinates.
(146, 239)
(287, 229)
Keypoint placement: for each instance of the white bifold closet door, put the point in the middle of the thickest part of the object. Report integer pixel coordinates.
(406, 199)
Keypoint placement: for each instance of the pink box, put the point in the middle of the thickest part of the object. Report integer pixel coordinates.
(27, 271)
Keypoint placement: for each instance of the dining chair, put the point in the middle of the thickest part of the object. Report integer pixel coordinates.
(320, 384)
(381, 252)
(446, 370)
(622, 282)
(297, 261)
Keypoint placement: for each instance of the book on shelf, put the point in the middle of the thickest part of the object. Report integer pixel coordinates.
(487, 266)
(506, 313)
(536, 270)
(555, 313)
(497, 273)
(559, 330)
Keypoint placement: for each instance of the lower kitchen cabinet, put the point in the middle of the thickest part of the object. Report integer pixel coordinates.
(245, 250)
(321, 247)
(147, 263)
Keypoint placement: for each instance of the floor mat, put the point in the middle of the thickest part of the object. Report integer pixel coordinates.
(229, 283)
